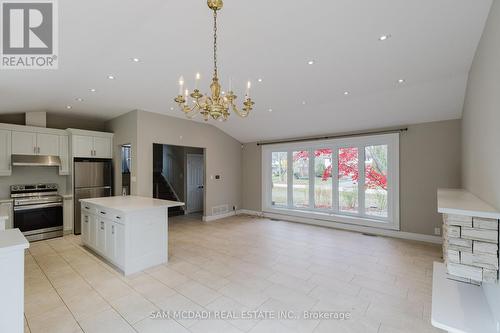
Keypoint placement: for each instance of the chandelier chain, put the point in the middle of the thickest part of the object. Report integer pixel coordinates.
(215, 44)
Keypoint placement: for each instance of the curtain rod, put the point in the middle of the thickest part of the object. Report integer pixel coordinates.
(396, 130)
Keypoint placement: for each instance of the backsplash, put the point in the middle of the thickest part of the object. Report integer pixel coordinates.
(32, 175)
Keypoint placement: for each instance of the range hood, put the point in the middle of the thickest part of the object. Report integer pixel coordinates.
(35, 160)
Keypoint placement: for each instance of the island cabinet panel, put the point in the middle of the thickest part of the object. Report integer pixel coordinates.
(132, 239)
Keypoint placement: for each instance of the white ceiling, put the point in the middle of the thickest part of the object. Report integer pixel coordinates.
(432, 46)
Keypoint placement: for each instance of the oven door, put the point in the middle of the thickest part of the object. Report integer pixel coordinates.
(34, 219)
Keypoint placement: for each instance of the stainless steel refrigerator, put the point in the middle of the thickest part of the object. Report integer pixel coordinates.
(93, 178)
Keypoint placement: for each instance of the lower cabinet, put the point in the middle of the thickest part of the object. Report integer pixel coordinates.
(104, 236)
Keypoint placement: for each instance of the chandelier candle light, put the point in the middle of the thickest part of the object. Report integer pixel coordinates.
(218, 105)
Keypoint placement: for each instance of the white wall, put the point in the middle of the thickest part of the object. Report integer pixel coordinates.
(481, 127)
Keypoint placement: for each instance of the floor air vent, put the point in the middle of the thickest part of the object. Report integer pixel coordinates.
(219, 210)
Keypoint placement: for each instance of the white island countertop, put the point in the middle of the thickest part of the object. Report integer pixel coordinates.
(131, 203)
(12, 240)
(462, 202)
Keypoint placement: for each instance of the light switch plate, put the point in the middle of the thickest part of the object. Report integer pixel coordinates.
(437, 231)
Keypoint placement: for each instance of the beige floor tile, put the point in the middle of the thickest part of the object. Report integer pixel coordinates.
(213, 326)
(87, 305)
(238, 263)
(40, 303)
(133, 307)
(159, 326)
(58, 320)
(241, 294)
(197, 292)
(271, 326)
(106, 322)
(113, 288)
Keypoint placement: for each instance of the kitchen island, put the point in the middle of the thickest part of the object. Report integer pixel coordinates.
(130, 232)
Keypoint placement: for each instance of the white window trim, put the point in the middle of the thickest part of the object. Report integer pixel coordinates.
(391, 140)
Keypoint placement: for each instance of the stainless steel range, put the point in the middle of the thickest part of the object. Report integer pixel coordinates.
(38, 210)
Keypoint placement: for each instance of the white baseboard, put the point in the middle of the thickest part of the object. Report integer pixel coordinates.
(351, 227)
(249, 212)
(210, 218)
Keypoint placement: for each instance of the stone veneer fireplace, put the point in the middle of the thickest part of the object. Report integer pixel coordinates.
(470, 248)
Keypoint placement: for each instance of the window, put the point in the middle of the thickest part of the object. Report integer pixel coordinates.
(376, 180)
(349, 180)
(323, 165)
(279, 178)
(301, 179)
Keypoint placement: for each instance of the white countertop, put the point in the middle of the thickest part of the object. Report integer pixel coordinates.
(5, 201)
(132, 203)
(12, 239)
(462, 202)
(459, 307)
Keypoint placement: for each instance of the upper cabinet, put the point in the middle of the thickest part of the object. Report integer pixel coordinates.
(91, 144)
(31, 143)
(29, 140)
(5, 152)
(83, 146)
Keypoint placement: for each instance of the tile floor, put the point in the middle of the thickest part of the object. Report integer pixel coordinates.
(241, 263)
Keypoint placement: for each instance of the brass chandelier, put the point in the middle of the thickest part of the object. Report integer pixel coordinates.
(218, 105)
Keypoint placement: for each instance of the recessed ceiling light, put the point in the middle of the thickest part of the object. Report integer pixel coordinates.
(401, 81)
(68, 107)
(171, 108)
(260, 80)
(92, 90)
(270, 110)
(310, 62)
(304, 103)
(136, 59)
(79, 99)
(111, 77)
(384, 37)
(346, 93)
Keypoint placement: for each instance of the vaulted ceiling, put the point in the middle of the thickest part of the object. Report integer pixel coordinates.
(431, 47)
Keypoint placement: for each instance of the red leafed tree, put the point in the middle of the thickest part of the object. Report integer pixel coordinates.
(348, 167)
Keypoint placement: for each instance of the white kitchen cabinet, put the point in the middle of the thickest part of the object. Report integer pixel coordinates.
(5, 152)
(92, 231)
(83, 146)
(101, 236)
(115, 242)
(103, 147)
(132, 232)
(47, 144)
(92, 146)
(85, 228)
(24, 143)
(32, 143)
(64, 154)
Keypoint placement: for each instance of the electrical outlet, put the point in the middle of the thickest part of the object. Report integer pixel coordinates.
(437, 231)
